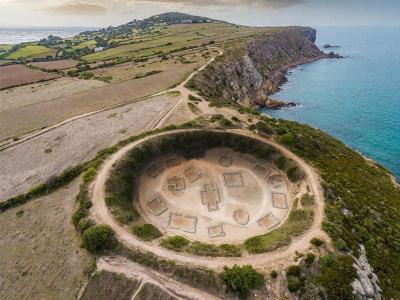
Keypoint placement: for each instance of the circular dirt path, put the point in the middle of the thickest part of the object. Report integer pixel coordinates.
(269, 260)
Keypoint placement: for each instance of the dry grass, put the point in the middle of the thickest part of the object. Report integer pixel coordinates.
(44, 91)
(73, 143)
(110, 286)
(39, 253)
(15, 75)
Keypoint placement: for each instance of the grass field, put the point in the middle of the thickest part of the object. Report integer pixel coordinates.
(173, 38)
(31, 51)
(4, 47)
(91, 44)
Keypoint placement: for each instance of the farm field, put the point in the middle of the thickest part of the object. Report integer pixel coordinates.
(73, 143)
(47, 113)
(15, 75)
(40, 254)
(44, 91)
(56, 64)
(32, 51)
(173, 38)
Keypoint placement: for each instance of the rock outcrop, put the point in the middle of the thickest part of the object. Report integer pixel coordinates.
(365, 287)
(248, 73)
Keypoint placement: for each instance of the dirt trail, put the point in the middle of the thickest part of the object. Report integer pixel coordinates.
(146, 275)
(274, 259)
(184, 91)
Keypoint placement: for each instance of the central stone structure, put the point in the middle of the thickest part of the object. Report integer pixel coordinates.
(210, 197)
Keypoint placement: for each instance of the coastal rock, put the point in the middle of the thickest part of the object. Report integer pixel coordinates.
(365, 287)
(329, 46)
(251, 71)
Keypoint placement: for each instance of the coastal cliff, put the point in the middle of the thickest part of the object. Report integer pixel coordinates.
(251, 71)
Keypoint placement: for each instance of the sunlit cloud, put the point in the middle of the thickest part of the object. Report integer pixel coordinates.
(78, 9)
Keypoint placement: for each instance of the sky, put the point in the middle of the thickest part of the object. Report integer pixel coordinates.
(101, 13)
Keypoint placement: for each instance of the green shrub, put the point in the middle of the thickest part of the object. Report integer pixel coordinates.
(85, 224)
(241, 279)
(176, 243)
(307, 200)
(194, 98)
(337, 277)
(274, 274)
(317, 242)
(146, 232)
(293, 284)
(310, 257)
(97, 238)
(281, 162)
(295, 174)
(293, 271)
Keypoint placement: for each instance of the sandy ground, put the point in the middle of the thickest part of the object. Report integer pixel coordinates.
(274, 259)
(40, 256)
(27, 163)
(179, 199)
(130, 269)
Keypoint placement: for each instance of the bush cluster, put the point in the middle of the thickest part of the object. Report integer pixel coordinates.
(242, 279)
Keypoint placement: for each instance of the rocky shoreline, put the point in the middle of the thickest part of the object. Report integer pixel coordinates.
(253, 71)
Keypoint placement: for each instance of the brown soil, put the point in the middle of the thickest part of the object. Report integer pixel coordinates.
(56, 64)
(15, 75)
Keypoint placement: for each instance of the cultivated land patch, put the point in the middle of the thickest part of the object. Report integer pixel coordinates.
(208, 200)
(35, 93)
(40, 255)
(56, 64)
(15, 75)
(75, 142)
(47, 113)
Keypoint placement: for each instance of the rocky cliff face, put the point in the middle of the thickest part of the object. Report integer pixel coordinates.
(248, 73)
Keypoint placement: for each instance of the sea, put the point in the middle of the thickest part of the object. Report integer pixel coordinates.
(15, 35)
(355, 99)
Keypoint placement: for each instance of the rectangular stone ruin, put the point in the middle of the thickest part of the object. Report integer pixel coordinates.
(157, 206)
(173, 161)
(279, 200)
(193, 174)
(183, 223)
(233, 179)
(210, 197)
(216, 231)
(268, 221)
(176, 183)
(154, 170)
(262, 170)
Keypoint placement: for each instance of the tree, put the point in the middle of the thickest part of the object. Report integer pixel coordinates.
(97, 238)
(242, 279)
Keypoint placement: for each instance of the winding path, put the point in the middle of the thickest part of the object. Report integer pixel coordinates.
(145, 275)
(269, 260)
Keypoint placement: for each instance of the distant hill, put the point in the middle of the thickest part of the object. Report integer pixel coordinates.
(178, 18)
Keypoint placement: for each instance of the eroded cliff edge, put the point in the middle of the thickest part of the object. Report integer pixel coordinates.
(249, 72)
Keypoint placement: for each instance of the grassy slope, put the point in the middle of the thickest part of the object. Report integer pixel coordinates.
(31, 51)
(361, 187)
(172, 38)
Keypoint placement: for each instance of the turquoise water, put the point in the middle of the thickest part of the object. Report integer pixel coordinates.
(356, 99)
